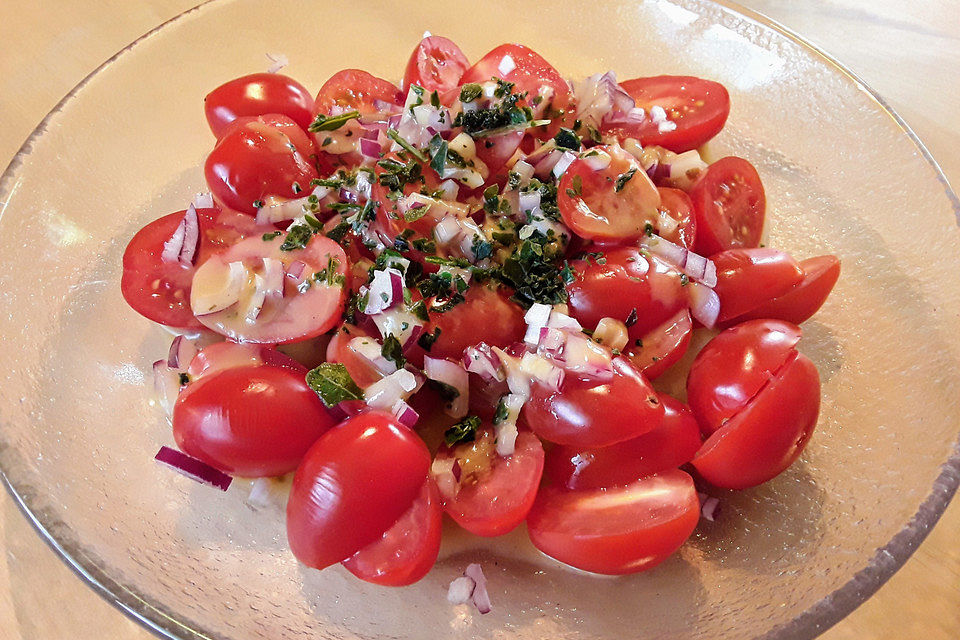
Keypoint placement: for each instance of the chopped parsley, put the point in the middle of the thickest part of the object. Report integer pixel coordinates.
(331, 123)
(438, 150)
(333, 384)
(184, 379)
(267, 237)
(427, 339)
(502, 413)
(394, 135)
(297, 238)
(623, 179)
(534, 273)
(463, 431)
(567, 139)
(392, 350)
(576, 187)
(470, 92)
(396, 175)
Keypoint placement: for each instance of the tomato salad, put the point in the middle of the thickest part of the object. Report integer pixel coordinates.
(451, 296)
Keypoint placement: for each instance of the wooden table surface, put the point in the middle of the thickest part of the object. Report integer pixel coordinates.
(908, 51)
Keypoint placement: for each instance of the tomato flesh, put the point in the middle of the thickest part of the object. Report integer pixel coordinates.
(258, 94)
(678, 206)
(487, 315)
(355, 89)
(436, 65)
(662, 347)
(747, 278)
(799, 304)
(730, 205)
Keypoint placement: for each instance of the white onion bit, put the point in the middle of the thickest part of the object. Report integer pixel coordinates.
(481, 599)
(460, 590)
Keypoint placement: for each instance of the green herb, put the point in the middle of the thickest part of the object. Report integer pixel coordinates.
(267, 237)
(326, 141)
(424, 245)
(329, 274)
(470, 92)
(331, 183)
(684, 279)
(567, 139)
(258, 204)
(502, 413)
(415, 213)
(448, 392)
(340, 231)
(392, 350)
(503, 237)
(333, 384)
(297, 238)
(576, 187)
(481, 248)
(341, 207)
(594, 134)
(426, 339)
(533, 273)
(623, 179)
(419, 310)
(638, 342)
(184, 379)
(463, 431)
(648, 229)
(438, 149)
(435, 100)
(330, 123)
(394, 135)
(631, 318)
(396, 175)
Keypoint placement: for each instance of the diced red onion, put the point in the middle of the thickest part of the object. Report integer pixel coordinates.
(415, 332)
(278, 60)
(704, 304)
(383, 105)
(371, 351)
(348, 195)
(203, 200)
(386, 289)
(193, 468)
(563, 162)
(394, 121)
(551, 341)
(658, 171)
(295, 270)
(227, 291)
(529, 201)
(545, 165)
(564, 322)
(481, 360)
(506, 433)
(481, 599)
(450, 189)
(405, 414)
(257, 299)
(708, 508)
(273, 277)
(460, 590)
(452, 374)
(191, 237)
(506, 66)
(174, 246)
(181, 352)
(596, 160)
(370, 148)
(697, 267)
(586, 357)
(447, 230)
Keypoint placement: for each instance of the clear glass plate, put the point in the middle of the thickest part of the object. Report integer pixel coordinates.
(788, 559)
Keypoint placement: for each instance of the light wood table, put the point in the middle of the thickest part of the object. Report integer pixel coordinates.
(908, 51)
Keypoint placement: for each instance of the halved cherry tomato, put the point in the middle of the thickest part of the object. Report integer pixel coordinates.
(670, 445)
(256, 95)
(250, 420)
(230, 355)
(800, 303)
(487, 315)
(352, 486)
(748, 278)
(662, 347)
(358, 367)
(436, 65)
(406, 551)
(616, 530)
(734, 366)
(494, 151)
(587, 412)
(258, 158)
(355, 89)
(612, 204)
(296, 315)
(493, 499)
(698, 107)
(676, 205)
(766, 436)
(730, 205)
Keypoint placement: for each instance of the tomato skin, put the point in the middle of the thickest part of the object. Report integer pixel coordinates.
(661, 347)
(253, 160)
(486, 315)
(730, 205)
(352, 486)
(799, 304)
(258, 94)
(406, 551)
(251, 421)
(672, 444)
(766, 436)
(627, 281)
(355, 89)
(436, 64)
(747, 278)
(586, 412)
(617, 530)
(228, 355)
(678, 205)
(734, 366)
(699, 107)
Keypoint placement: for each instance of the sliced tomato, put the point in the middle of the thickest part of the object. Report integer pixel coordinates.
(486, 315)
(730, 205)
(616, 530)
(677, 206)
(613, 204)
(355, 89)
(662, 347)
(220, 356)
(436, 65)
(296, 315)
(256, 95)
(748, 278)
(586, 412)
(698, 107)
(799, 304)
(494, 493)
(406, 551)
(494, 151)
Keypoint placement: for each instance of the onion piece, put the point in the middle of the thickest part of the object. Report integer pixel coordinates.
(586, 357)
(278, 60)
(295, 270)
(563, 162)
(386, 289)
(166, 384)
(191, 236)
(371, 351)
(697, 267)
(611, 333)
(481, 599)
(193, 468)
(273, 277)
(460, 590)
(481, 360)
(405, 414)
(708, 508)
(181, 352)
(256, 300)
(704, 304)
(370, 148)
(453, 375)
(217, 286)
(447, 230)
(596, 159)
(388, 391)
(203, 200)
(174, 246)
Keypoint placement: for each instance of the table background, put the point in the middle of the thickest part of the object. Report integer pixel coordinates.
(908, 51)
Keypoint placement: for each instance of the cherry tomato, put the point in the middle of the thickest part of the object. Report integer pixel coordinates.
(250, 420)
(355, 89)
(487, 315)
(616, 530)
(296, 315)
(436, 65)
(801, 302)
(698, 107)
(257, 158)
(587, 412)
(734, 366)
(676, 205)
(494, 152)
(406, 551)
(670, 445)
(494, 493)
(352, 486)
(599, 205)
(220, 356)
(256, 95)
(767, 435)
(623, 284)
(730, 204)
(747, 278)
(339, 350)
(662, 347)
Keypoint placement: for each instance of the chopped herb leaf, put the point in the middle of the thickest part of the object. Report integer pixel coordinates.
(297, 238)
(623, 179)
(438, 149)
(330, 123)
(392, 350)
(463, 431)
(400, 140)
(267, 237)
(502, 413)
(576, 188)
(427, 339)
(470, 92)
(567, 139)
(331, 382)
(184, 379)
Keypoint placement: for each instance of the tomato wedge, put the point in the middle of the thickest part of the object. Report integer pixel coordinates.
(487, 315)
(747, 278)
(662, 347)
(258, 94)
(799, 304)
(730, 205)
(355, 89)
(436, 65)
(220, 356)
(677, 206)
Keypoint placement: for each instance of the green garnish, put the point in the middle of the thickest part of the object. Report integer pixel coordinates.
(333, 384)
(297, 238)
(331, 123)
(392, 350)
(463, 431)
(623, 179)
(394, 135)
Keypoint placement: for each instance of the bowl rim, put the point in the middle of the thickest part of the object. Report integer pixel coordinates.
(815, 620)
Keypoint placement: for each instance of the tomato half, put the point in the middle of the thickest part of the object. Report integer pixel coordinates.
(339, 350)
(355, 89)
(747, 278)
(672, 444)
(676, 205)
(698, 107)
(799, 304)
(256, 95)
(587, 412)
(352, 486)
(616, 530)
(436, 65)
(730, 205)
(660, 348)
(250, 421)
(220, 356)
(487, 315)
(406, 551)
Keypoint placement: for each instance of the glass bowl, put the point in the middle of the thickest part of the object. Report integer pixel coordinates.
(788, 559)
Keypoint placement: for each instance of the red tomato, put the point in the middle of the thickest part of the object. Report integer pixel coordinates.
(677, 205)
(747, 278)
(496, 150)
(767, 435)
(662, 347)
(494, 498)
(220, 356)
(352, 486)
(586, 412)
(359, 368)
(297, 315)
(730, 204)
(619, 529)
(670, 445)
(406, 551)
(801, 302)
(592, 207)
(355, 89)
(250, 421)
(734, 366)
(487, 315)
(255, 159)
(627, 285)
(698, 107)
(256, 95)
(436, 65)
